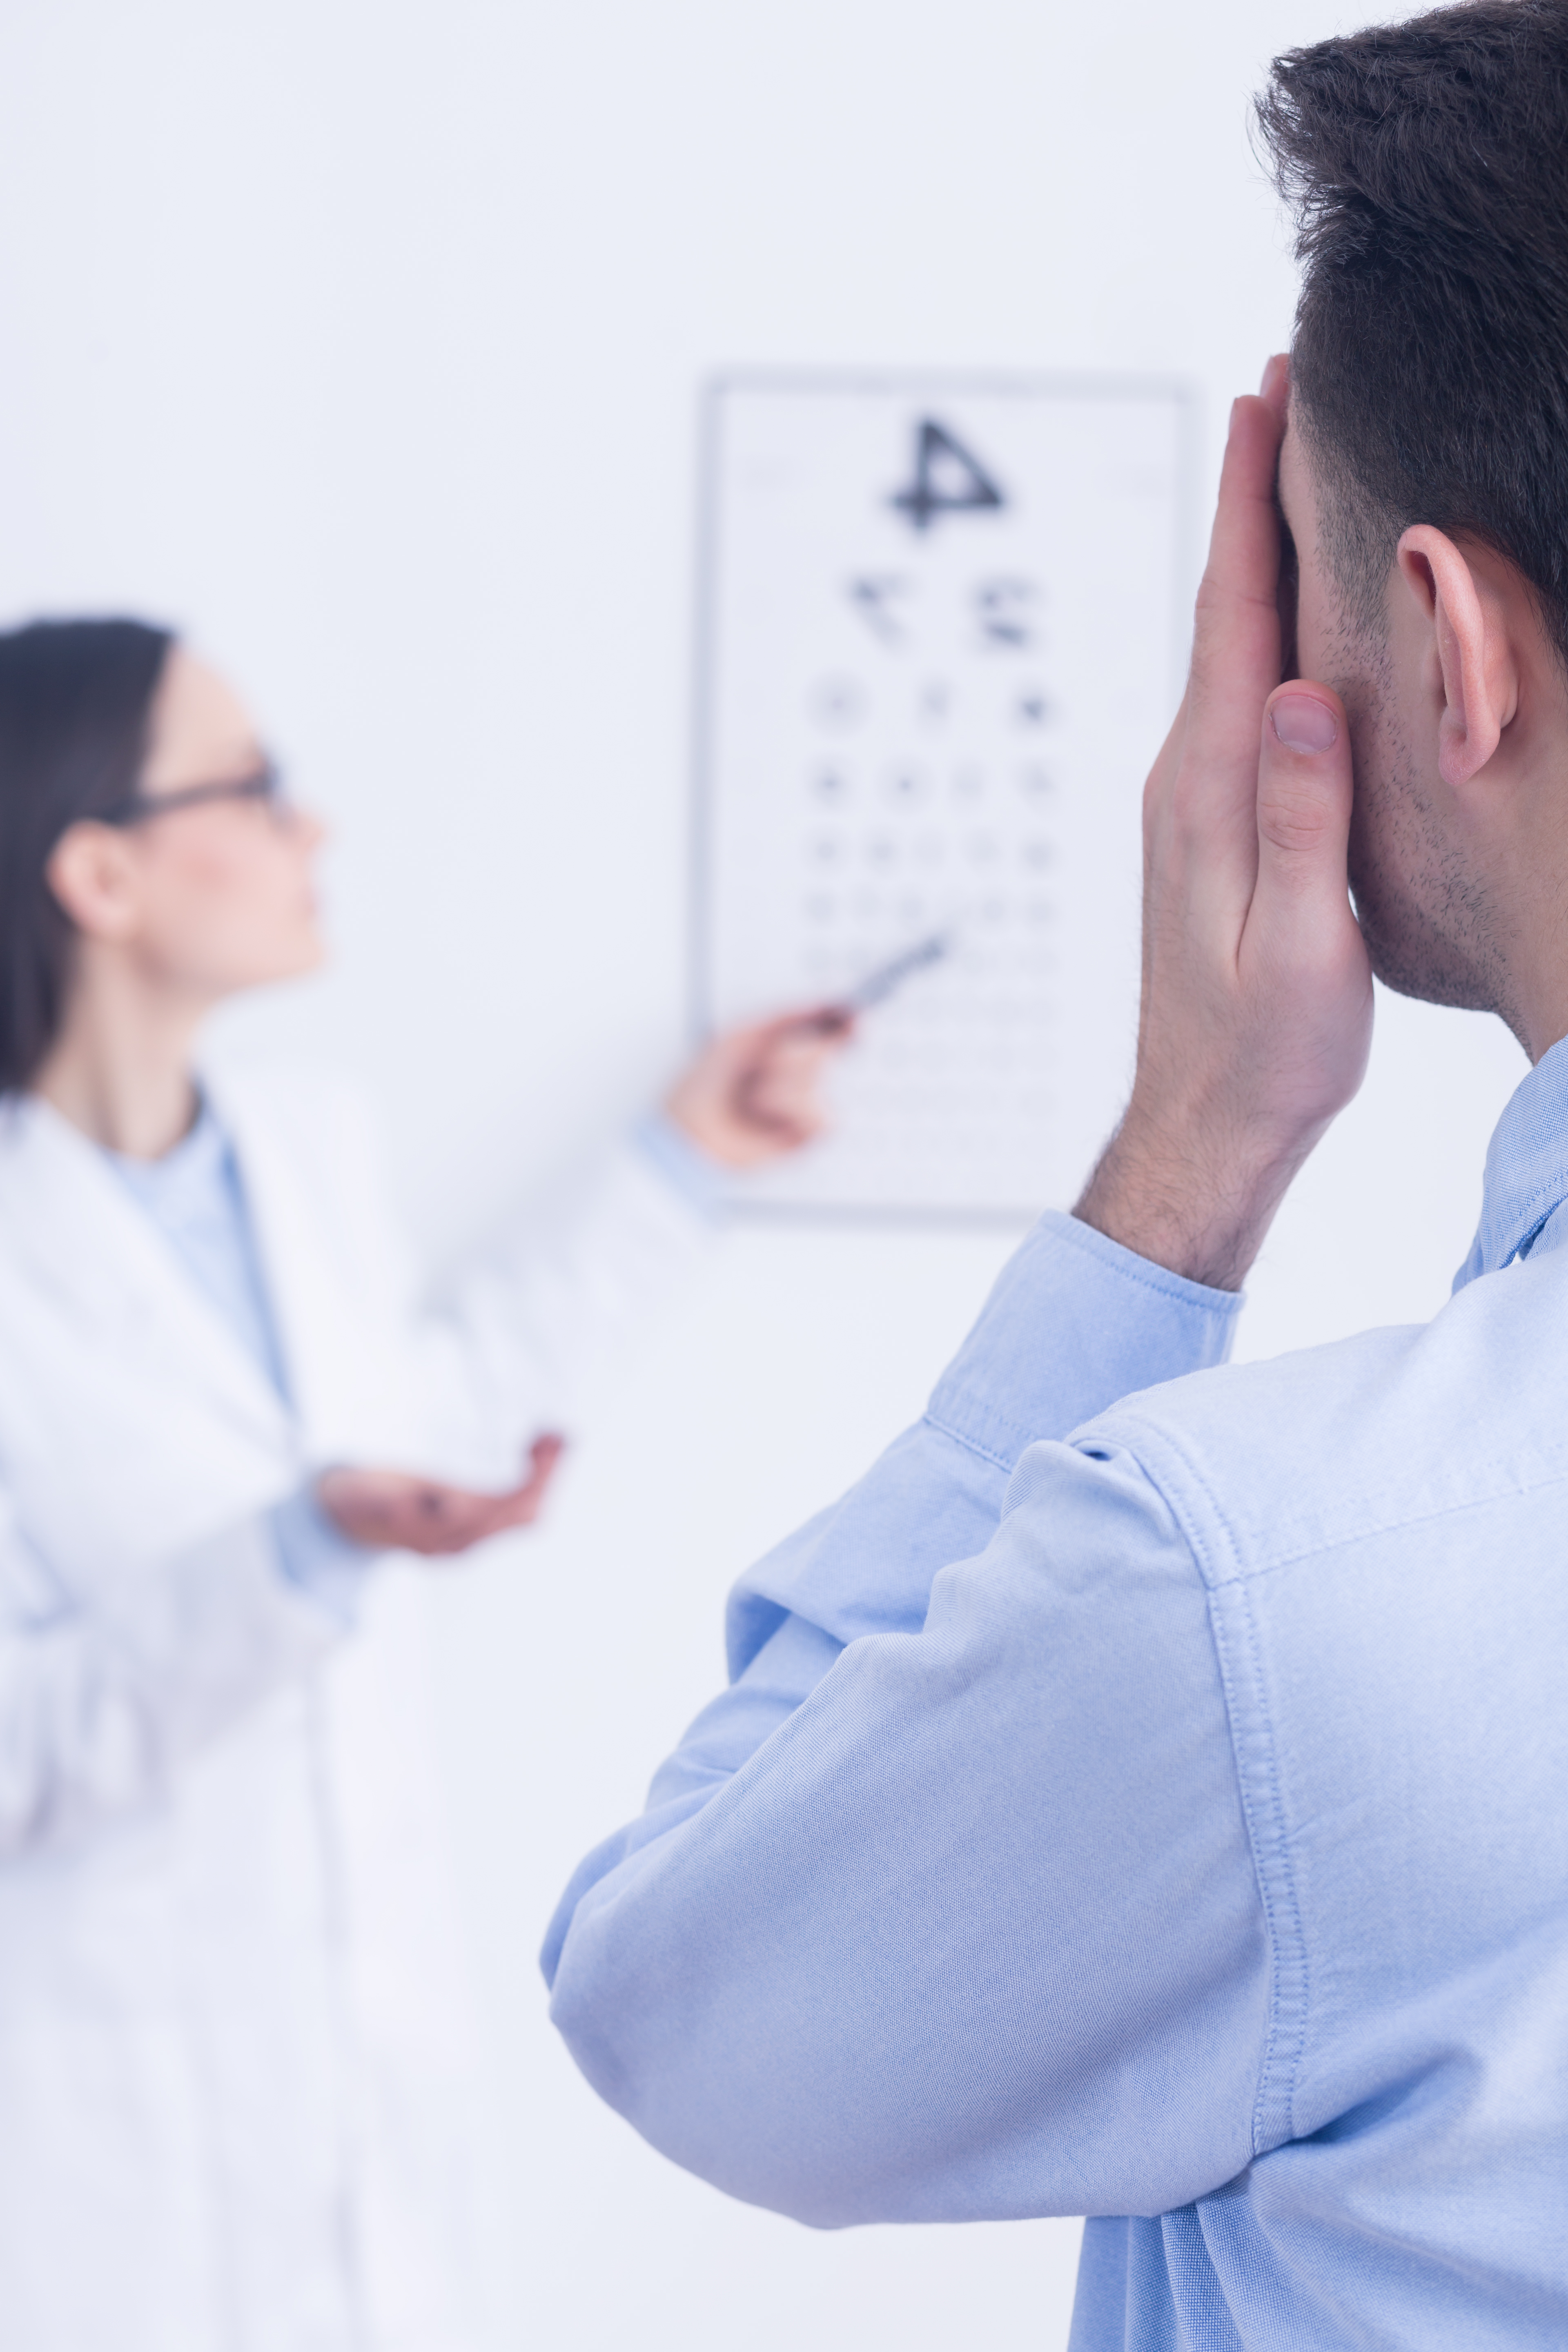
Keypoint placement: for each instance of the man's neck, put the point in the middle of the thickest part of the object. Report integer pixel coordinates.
(1540, 977)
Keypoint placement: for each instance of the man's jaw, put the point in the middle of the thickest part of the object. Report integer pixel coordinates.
(1445, 955)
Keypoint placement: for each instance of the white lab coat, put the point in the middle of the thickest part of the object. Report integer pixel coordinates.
(234, 2068)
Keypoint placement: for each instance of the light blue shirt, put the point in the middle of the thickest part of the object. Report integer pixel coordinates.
(1146, 1796)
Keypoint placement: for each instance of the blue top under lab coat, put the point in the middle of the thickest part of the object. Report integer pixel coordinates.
(196, 1196)
(1147, 1796)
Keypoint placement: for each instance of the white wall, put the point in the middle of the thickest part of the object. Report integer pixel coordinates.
(362, 338)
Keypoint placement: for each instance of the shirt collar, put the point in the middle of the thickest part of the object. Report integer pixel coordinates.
(1527, 1168)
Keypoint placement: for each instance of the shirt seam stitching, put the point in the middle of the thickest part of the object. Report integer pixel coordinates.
(1243, 1576)
(972, 1446)
(1551, 1191)
(1280, 2057)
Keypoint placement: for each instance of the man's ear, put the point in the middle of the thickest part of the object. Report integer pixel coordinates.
(1474, 660)
(89, 871)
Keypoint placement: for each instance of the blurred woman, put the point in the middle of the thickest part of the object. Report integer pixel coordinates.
(232, 2057)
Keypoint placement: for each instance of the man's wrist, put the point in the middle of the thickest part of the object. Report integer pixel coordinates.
(1198, 1208)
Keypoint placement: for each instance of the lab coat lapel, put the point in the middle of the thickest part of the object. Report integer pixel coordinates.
(344, 1369)
(83, 1236)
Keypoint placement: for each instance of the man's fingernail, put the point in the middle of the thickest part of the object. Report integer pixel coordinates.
(1302, 723)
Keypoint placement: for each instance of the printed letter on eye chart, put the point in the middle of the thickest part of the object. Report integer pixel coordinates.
(940, 633)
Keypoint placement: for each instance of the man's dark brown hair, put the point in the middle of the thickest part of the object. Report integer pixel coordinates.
(1427, 166)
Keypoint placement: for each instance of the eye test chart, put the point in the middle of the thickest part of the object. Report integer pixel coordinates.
(941, 640)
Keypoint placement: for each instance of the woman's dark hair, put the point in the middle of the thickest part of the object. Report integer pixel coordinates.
(1427, 166)
(76, 697)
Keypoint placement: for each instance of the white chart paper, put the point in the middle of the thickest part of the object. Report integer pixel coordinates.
(940, 651)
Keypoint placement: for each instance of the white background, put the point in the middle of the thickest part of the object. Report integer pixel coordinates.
(363, 341)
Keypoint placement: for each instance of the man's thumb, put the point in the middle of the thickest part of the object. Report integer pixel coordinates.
(1303, 805)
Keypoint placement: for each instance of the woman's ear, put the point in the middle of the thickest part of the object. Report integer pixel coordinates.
(89, 873)
(1474, 662)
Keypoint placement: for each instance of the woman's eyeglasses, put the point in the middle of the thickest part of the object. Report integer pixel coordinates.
(265, 786)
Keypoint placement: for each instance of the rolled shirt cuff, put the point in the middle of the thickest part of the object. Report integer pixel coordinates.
(318, 1559)
(1074, 1324)
(700, 1180)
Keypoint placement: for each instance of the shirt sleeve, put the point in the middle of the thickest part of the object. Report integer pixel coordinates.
(1074, 1323)
(945, 1910)
(975, 1934)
